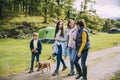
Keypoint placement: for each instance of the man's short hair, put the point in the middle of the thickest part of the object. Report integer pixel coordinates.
(35, 34)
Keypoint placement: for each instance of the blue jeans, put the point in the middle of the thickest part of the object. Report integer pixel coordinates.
(83, 57)
(72, 54)
(59, 58)
(33, 58)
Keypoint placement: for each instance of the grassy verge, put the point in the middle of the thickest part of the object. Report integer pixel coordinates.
(103, 41)
(15, 54)
(116, 76)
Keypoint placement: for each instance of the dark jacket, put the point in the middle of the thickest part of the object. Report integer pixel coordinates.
(39, 46)
(79, 39)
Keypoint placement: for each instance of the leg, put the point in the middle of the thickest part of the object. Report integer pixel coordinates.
(70, 53)
(32, 63)
(58, 62)
(61, 59)
(58, 58)
(42, 70)
(78, 68)
(83, 63)
(72, 60)
(37, 61)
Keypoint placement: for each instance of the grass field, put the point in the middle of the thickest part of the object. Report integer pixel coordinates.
(15, 54)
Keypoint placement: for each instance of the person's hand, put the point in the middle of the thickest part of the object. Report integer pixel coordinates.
(33, 50)
(74, 38)
(56, 39)
(79, 55)
(74, 48)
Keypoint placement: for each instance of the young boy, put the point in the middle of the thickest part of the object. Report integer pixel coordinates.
(36, 48)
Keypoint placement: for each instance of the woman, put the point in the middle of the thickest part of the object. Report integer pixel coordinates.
(71, 45)
(60, 41)
(82, 47)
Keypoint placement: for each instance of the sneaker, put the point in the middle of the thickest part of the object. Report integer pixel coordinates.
(55, 73)
(71, 74)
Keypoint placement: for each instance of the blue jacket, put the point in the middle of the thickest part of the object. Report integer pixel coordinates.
(79, 39)
(39, 46)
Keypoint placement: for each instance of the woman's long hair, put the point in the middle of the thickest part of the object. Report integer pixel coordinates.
(57, 29)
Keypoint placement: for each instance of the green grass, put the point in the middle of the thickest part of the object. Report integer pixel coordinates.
(116, 76)
(103, 40)
(15, 54)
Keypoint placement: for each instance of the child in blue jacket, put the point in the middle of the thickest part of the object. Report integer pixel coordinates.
(36, 48)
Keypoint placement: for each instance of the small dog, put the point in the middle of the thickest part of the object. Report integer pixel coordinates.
(45, 64)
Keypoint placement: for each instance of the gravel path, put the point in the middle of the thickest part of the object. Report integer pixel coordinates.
(101, 66)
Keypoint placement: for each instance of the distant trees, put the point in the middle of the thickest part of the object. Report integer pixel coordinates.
(46, 8)
(59, 9)
(1, 6)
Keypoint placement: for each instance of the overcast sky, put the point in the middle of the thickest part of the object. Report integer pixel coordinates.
(105, 8)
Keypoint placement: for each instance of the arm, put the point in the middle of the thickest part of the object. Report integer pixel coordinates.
(31, 45)
(39, 46)
(84, 38)
(61, 39)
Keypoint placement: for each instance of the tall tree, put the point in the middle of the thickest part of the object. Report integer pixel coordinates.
(1, 6)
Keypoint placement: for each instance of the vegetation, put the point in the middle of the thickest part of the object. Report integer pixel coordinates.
(41, 13)
(15, 54)
(116, 76)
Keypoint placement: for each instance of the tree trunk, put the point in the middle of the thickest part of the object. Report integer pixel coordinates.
(23, 4)
(0, 10)
(26, 8)
(45, 18)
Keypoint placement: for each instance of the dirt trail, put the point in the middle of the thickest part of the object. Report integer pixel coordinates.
(101, 66)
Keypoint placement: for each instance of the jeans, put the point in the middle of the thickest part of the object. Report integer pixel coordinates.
(59, 58)
(83, 63)
(33, 58)
(72, 54)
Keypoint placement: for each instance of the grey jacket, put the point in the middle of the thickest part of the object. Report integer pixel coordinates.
(60, 41)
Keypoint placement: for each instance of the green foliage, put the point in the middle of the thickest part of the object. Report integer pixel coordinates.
(108, 25)
(116, 76)
(92, 22)
(117, 23)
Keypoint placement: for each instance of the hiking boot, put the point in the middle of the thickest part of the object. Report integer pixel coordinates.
(64, 68)
(84, 78)
(71, 74)
(31, 70)
(55, 73)
(85, 73)
(78, 76)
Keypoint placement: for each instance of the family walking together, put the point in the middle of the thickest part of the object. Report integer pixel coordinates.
(74, 41)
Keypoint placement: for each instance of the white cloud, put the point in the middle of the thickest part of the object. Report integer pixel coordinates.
(105, 9)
